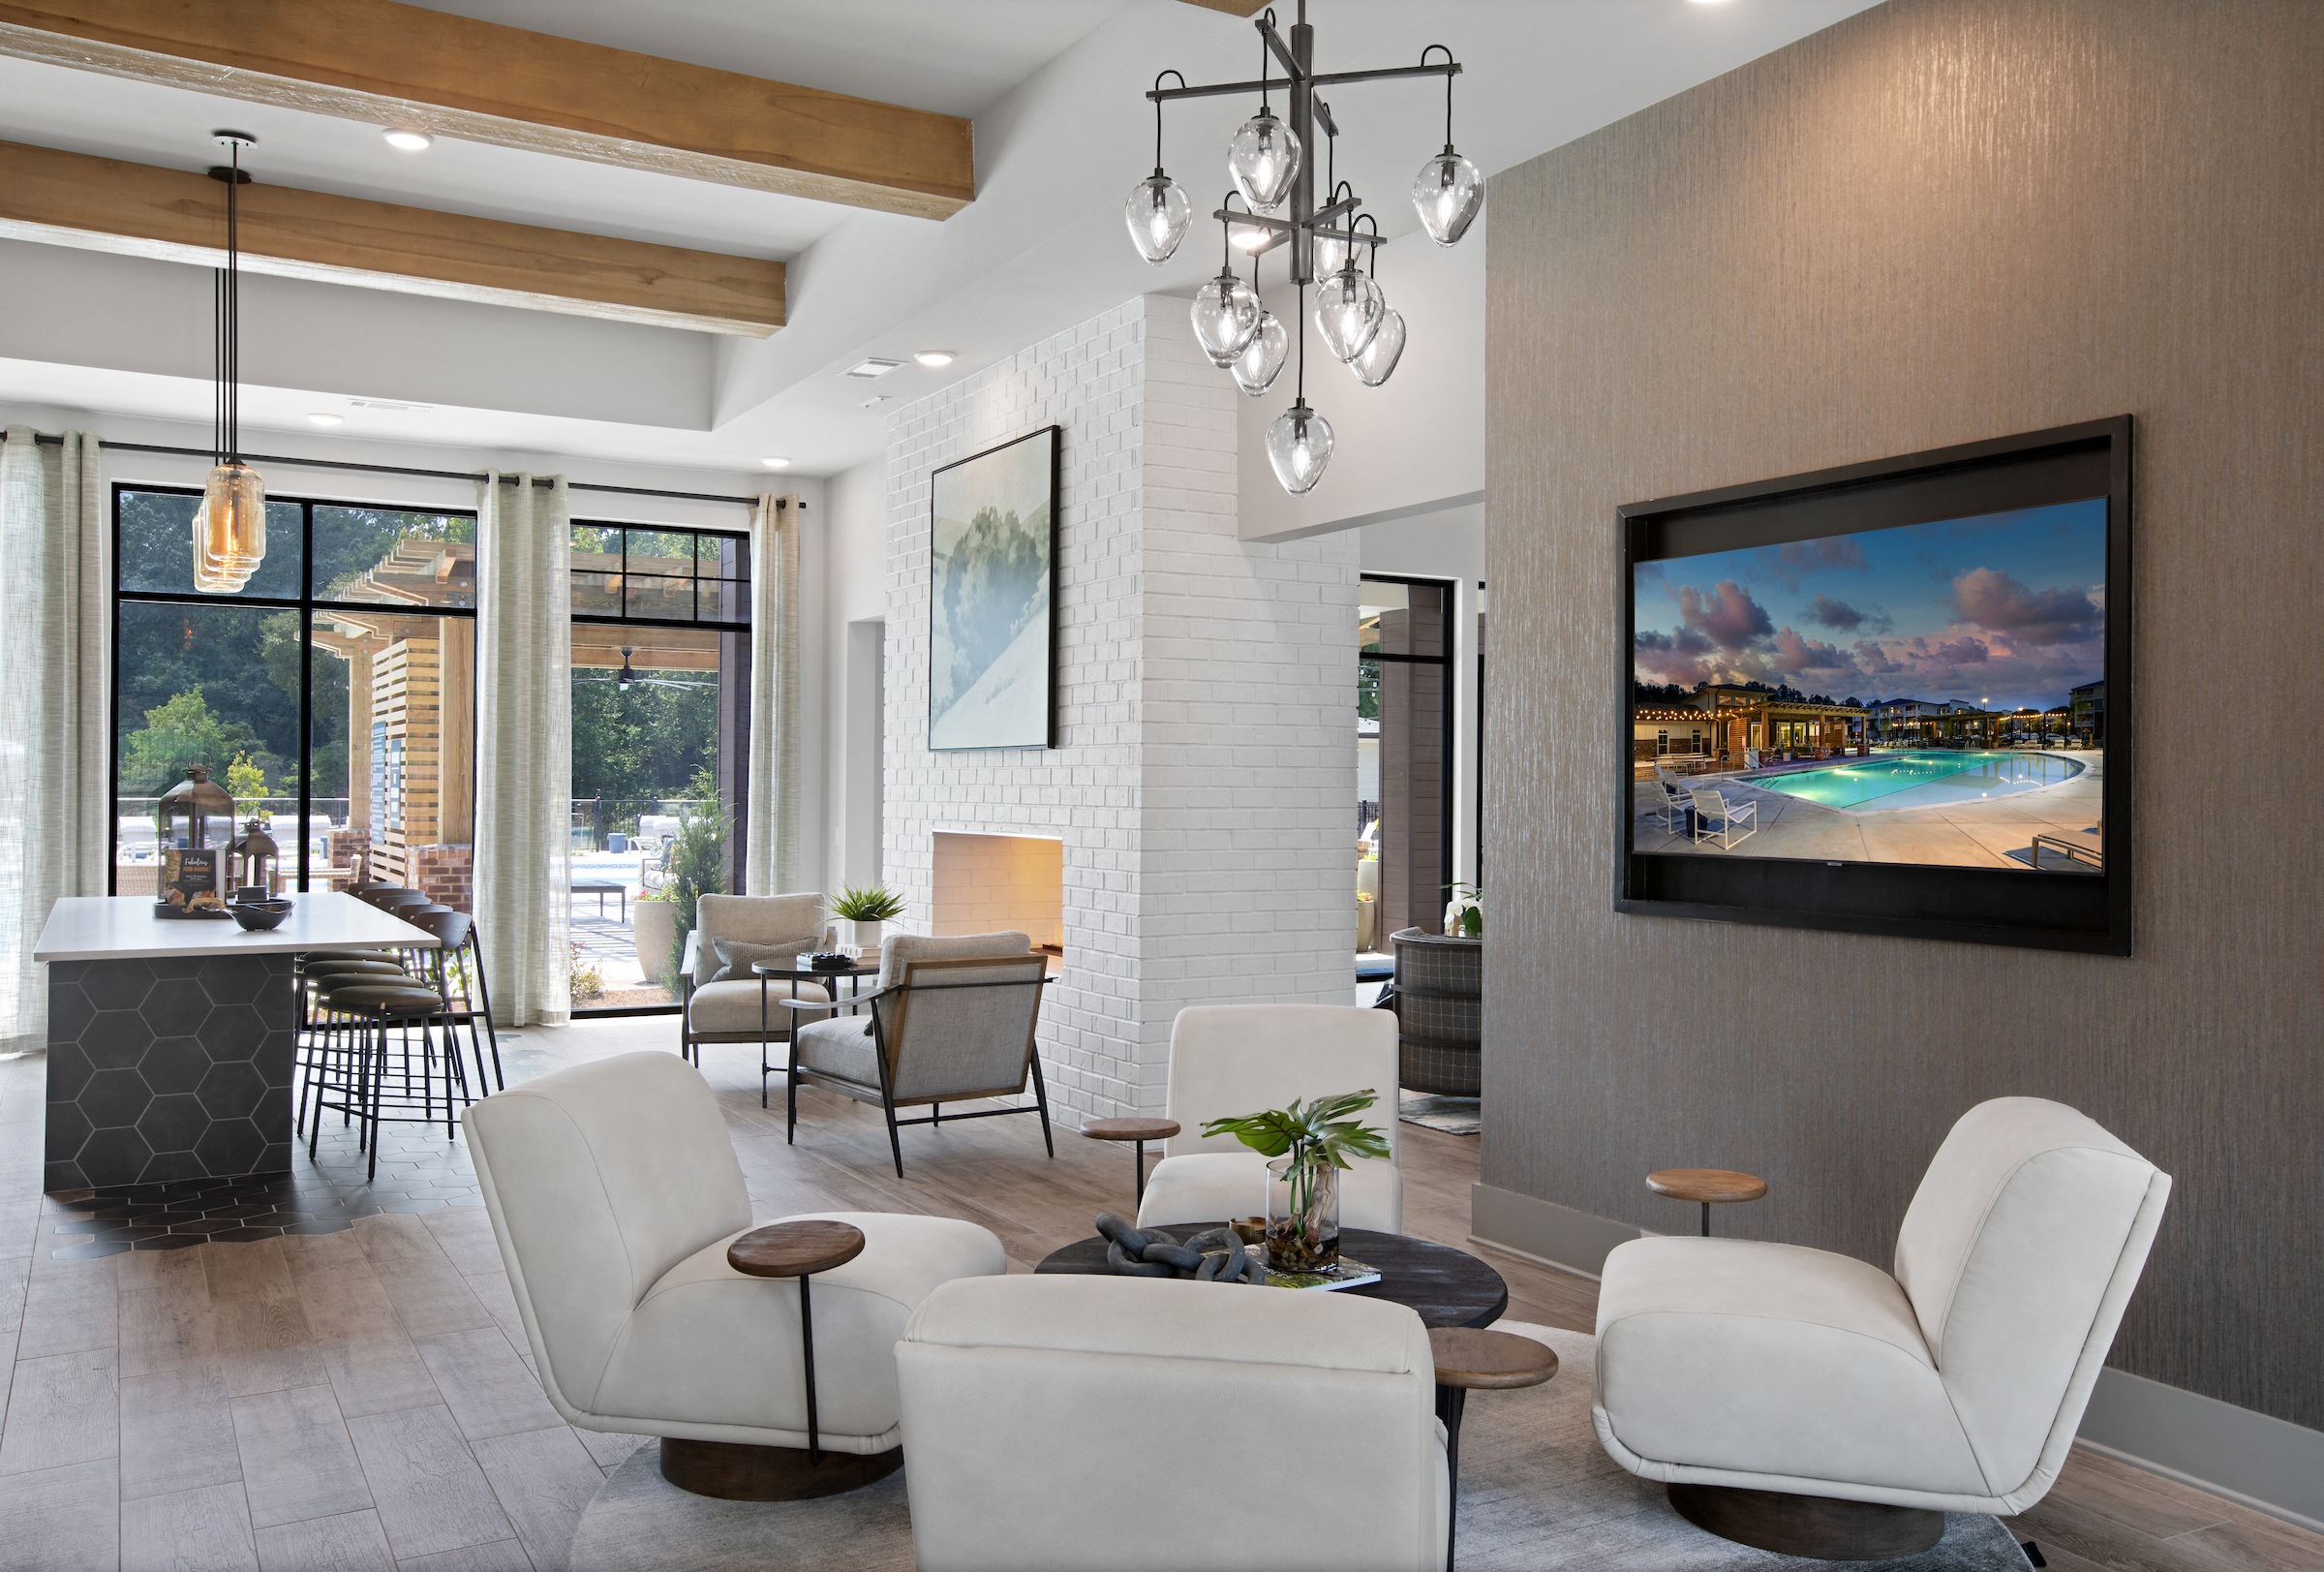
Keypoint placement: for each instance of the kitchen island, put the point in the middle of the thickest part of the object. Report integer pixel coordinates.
(171, 1041)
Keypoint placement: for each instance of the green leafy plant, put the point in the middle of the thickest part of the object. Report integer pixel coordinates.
(1317, 1136)
(872, 903)
(697, 861)
(1464, 914)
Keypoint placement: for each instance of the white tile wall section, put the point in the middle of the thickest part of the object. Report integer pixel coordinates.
(1203, 783)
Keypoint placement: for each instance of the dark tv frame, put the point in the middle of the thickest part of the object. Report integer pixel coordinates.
(2040, 911)
(1057, 464)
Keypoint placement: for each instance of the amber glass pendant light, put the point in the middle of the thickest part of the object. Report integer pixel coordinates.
(230, 527)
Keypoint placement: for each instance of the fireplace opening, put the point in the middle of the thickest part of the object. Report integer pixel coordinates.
(995, 883)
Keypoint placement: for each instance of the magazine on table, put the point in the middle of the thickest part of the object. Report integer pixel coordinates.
(1345, 1273)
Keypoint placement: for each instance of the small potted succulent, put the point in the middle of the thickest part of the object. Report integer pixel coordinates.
(864, 910)
(1311, 1142)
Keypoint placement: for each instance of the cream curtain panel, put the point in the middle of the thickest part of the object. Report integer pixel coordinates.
(772, 834)
(524, 746)
(54, 600)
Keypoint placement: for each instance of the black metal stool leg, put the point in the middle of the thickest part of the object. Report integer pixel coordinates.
(806, 1346)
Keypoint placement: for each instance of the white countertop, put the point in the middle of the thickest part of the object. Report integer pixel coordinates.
(123, 927)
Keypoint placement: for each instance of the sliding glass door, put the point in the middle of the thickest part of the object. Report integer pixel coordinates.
(1404, 756)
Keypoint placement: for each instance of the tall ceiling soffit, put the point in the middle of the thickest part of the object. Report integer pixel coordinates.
(136, 209)
(391, 64)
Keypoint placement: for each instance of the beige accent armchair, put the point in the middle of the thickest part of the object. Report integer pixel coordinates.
(952, 1019)
(1228, 1060)
(614, 1192)
(1956, 1385)
(1064, 1423)
(728, 1011)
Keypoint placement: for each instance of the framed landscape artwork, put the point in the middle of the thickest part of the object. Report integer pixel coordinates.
(1889, 699)
(991, 601)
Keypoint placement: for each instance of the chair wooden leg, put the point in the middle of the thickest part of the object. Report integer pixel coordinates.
(1041, 1099)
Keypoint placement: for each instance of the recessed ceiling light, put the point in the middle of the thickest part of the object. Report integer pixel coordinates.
(933, 357)
(407, 141)
(870, 366)
(325, 418)
(776, 463)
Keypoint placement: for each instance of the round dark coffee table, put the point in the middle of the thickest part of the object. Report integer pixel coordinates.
(1447, 1287)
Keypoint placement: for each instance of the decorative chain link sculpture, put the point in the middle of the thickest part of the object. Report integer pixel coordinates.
(1215, 1255)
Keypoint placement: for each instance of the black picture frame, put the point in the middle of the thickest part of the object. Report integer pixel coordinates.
(1054, 438)
(2033, 909)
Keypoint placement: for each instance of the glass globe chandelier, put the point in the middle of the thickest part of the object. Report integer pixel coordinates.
(229, 525)
(1267, 159)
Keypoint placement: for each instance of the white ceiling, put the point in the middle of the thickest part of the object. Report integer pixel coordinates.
(1062, 133)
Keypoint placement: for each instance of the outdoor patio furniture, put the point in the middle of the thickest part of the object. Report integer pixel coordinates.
(1676, 803)
(1710, 806)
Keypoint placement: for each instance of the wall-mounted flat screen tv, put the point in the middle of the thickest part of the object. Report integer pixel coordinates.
(1889, 699)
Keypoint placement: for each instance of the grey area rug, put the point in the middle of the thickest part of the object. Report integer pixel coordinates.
(1537, 1495)
(1455, 1116)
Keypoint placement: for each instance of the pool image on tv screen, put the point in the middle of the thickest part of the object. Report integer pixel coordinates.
(1929, 695)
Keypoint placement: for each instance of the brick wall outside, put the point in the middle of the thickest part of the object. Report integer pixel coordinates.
(1205, 694)
(445, 874)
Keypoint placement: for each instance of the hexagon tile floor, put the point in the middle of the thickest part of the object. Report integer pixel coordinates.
(420, 1171)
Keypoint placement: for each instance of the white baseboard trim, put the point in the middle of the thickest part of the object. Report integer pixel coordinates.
(2251, 1459)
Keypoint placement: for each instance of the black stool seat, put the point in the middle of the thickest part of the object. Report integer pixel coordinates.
(337, 967)
(384, 998)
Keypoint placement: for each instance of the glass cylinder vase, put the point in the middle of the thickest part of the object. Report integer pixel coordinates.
(1303, 1216)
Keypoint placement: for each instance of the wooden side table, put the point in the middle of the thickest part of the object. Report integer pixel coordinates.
(1706, 1186)
(799, 1250)
(1140, 1130)
(1472, 1359)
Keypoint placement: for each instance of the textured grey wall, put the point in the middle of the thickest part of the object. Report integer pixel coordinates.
(1940, 221)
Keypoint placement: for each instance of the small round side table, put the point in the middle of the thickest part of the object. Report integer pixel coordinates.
(1474, 1359)
(1706, 1186)
(799, 1250)
(1140, 1130)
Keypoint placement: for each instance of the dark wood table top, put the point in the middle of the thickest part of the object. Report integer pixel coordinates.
(776, 969)
(1447, 1287)
(1478, 1359)
(1707, 1185)
(1130, 1130)
(795, 1250)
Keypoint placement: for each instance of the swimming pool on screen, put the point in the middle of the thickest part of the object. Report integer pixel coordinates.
(1928, 777)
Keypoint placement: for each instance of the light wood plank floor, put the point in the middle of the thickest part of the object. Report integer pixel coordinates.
(366, 1399)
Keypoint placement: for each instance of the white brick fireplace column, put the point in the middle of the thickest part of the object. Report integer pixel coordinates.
(1203, 783)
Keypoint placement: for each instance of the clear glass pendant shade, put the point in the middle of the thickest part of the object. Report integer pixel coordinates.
(1449, 192)
(1226, 314)
(1298, 444)
(229, 529)
(1331, 256)
(1347, 308)
(1264, 159)
(1262, 359)
(1380, 357)
(1157, 212)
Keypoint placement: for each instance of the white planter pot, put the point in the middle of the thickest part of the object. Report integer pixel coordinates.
(654, 929)
(865, 937)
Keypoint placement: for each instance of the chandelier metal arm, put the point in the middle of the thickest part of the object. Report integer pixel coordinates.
(1292, 63)
(1219, 89)
(1287, 227)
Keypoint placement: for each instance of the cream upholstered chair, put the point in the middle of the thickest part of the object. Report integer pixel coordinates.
(1228, 1060)
(1954, 1386)
(1129, 1423)
(951, 1021)
(614, 1193)
(727, 1010)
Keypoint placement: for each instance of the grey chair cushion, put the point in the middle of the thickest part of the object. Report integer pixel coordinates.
(843, 1046)
(731, 1008)
(737, 956)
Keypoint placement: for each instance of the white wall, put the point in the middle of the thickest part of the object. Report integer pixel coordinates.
(855, 590)
(1447, 543)
(1414, 445)
(1203, 772)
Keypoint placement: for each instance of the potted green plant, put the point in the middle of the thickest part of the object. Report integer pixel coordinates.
(697, 860)
(864, 910)
(1464, 914)
(1311, 1142)
(653, 928)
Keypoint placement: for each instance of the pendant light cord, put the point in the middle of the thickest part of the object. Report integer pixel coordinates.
(1158, 76)
(1449, 60)
(1300, 395)
(234, 308)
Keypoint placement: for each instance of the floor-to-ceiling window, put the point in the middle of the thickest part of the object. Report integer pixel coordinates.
(334, 694)
(1404, 756)
(661, 679)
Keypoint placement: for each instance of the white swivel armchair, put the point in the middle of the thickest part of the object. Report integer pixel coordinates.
(1064, 1423)
(1875, 1403)
(1229, 1060)
(614, 1193)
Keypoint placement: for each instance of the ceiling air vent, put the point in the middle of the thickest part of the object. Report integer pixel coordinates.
(870, 367)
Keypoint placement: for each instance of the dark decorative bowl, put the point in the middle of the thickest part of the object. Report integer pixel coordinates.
(830, 960)
(258, 916)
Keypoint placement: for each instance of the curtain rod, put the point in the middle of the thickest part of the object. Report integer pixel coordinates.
(405, 469)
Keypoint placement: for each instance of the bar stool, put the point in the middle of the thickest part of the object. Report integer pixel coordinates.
(357, 1074)
(450, 970)
(316, 1036)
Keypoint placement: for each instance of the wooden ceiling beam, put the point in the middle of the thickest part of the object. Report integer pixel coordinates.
(400, 65)
(136, 209)
(1233, 8)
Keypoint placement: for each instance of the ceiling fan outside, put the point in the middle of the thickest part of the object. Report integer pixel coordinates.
(628, 677)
